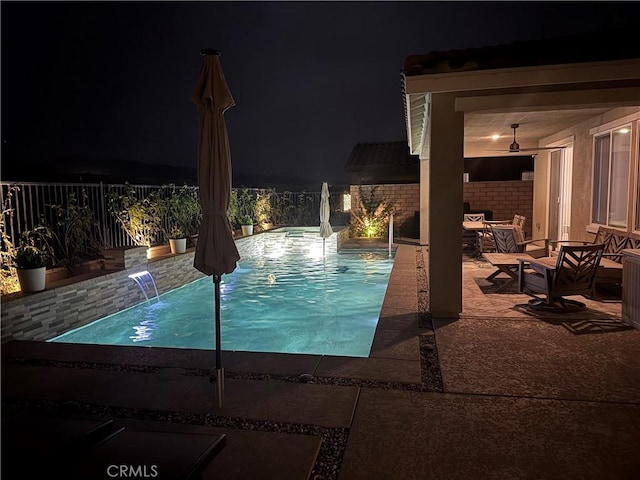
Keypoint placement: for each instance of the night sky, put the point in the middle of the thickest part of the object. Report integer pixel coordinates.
(101, 83)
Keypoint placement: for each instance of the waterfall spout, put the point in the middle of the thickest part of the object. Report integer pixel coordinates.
(145, 281)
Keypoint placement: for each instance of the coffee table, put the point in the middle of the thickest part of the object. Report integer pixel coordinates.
(505, 263)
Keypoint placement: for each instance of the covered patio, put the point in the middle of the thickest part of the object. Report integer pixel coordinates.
(565, 94)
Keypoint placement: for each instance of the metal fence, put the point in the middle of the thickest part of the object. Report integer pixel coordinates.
(32, 203)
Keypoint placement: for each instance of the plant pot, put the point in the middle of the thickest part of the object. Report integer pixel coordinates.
(247, 230)
(178, 245)
(32, 279)
(194, 241)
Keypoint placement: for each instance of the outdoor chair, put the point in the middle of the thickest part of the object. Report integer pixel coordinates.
(485, 237)
(572, 272)
(510, 239)
(470, 237)
(608, 282)
(519, 221)
(473, 217)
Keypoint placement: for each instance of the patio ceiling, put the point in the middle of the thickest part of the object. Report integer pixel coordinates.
(534, 125)
(544, 85)
(480, 126)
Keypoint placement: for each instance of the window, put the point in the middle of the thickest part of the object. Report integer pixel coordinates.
(612, 158)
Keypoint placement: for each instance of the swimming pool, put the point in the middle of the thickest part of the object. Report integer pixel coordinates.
(277, 303)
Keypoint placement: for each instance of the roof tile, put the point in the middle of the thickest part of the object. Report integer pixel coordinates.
(618, 44)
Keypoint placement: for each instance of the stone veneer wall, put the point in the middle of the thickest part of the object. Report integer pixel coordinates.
(44, 315)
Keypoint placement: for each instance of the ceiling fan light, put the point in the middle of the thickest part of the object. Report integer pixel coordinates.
(514, 147)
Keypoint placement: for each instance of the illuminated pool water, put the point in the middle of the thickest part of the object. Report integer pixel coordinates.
(288, 304)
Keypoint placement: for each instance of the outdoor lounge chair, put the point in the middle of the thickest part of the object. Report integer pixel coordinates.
(510, 239)
(608, 281)
(572, 272)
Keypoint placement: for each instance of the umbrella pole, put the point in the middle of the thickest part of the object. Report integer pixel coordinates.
(219, 369)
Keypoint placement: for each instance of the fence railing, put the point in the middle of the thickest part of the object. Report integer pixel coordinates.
(32, 205)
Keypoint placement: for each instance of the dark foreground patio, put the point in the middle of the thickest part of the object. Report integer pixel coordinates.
(500, 393)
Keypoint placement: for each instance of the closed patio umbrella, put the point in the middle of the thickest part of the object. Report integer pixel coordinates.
(216, 252)
(325, 212)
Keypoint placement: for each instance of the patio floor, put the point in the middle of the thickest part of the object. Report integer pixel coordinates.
(499, 393)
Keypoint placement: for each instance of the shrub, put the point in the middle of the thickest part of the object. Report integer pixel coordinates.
(233, 212)
(182, 210)
(370, 217)
(295, 209)
(263, 209)
(140, 218)
(246, 207)
(80, 237)
(8, 277)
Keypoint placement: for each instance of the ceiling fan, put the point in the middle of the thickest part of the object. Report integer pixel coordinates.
(515, 146)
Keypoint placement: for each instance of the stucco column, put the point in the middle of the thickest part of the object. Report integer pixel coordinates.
(424, 201)
(446, 161)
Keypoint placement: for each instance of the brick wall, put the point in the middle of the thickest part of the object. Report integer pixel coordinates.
(407, 200)
(504, 198)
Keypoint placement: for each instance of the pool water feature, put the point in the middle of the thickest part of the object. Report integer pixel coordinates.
(301, 241)
(278, 303)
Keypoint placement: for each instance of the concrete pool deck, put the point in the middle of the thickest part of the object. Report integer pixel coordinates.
(498, 393)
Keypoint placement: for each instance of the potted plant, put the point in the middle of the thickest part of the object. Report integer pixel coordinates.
(246, 211)
(182, 211)
(246, 223)
(177, 240)
(31, 259)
